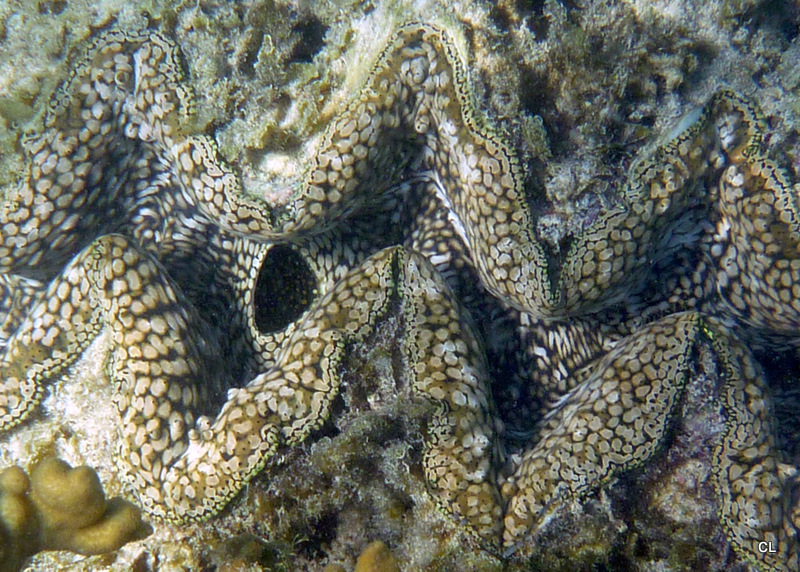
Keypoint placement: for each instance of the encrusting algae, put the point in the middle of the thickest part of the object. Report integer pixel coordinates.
(231, 318)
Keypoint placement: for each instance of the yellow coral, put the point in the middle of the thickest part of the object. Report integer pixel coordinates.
(376, 558)
(61, 508)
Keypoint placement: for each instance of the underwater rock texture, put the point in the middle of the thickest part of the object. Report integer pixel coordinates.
(579, 89)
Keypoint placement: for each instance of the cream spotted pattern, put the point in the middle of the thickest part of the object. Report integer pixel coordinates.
(128, 223)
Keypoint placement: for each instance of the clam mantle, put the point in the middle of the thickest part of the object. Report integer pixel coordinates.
(413, 206)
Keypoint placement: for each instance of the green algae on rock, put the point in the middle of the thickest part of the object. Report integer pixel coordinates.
(180, 245)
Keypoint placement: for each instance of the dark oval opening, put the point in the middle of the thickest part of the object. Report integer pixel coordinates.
(285, 288)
